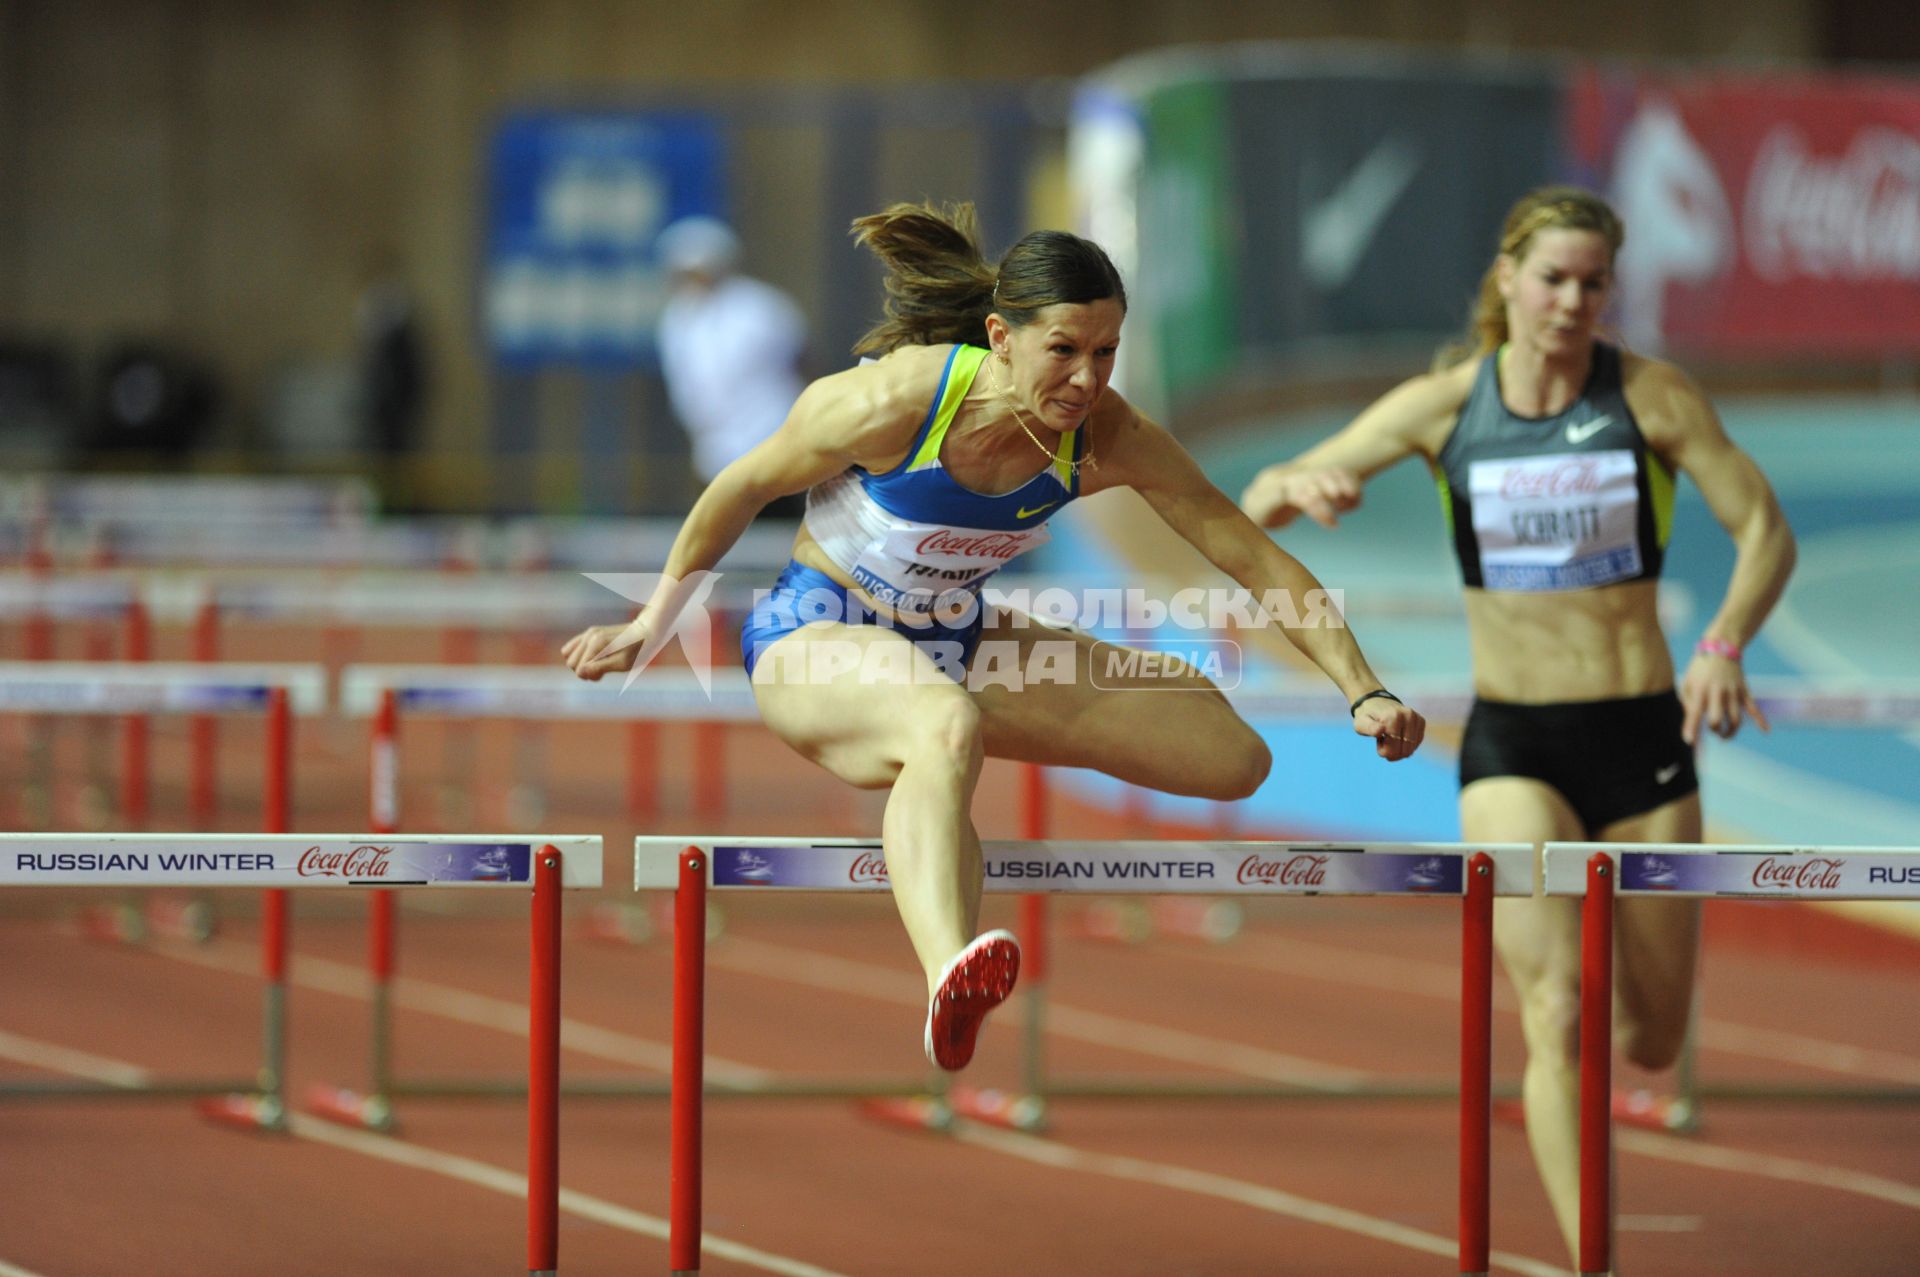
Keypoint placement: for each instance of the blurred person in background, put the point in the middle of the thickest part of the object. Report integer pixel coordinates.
(1556, 455)
(392, 359)
(926, 470)
(730, 349)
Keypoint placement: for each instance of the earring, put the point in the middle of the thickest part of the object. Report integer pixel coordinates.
(1002, 355)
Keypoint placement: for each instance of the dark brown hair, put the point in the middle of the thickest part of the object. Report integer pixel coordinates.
(941, 289)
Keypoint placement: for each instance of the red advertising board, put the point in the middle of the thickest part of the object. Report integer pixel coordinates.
(1765, 214)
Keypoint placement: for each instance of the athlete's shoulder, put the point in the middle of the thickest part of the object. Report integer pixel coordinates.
(878, 400)
(1662, 389)
(1421, 411)
(1444, 390)
(1646, 374)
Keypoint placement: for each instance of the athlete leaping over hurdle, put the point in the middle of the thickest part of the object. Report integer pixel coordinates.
(925, 471)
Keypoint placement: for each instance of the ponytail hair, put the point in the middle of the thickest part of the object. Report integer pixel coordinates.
(1547, 208)
(940, 287)
(939, 284)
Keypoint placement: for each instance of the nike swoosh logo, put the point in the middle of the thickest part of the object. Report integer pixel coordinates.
(1586, 431)
(1336, 232)
(1027, 514)
(1666, 773)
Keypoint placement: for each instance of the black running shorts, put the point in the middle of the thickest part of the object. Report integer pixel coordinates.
(1608, 759)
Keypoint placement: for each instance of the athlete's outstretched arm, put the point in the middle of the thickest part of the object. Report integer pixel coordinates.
(837, 421)
(1325, 481)
(1143, 456)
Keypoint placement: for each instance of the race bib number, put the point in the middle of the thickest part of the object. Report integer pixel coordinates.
(1565, 522)
(920, 567)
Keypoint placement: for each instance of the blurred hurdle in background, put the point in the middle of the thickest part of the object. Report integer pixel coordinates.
(45, 690)
(1603, 873)
(389, 696)
(545, 865)
(1474, 874)
(77, 688)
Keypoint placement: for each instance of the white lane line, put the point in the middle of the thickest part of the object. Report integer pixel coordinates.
(1818, 1053)
(862, 979)
(1768, 1165)
(870, 980)
(1659, 1223)
(14, 1270)
(513, 1184)
(1336, 965)
(1051, 1153)
(62, 1059)
(478, 1009)
(448, 1165)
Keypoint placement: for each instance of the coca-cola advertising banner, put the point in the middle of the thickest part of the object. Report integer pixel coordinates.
(1755, 872)
(1765, 215)
(264, 862)
(1170, 867)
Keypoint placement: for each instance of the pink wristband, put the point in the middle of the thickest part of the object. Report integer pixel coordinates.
(1719, 647)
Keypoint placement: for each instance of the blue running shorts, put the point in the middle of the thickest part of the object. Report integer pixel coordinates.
(803, 594)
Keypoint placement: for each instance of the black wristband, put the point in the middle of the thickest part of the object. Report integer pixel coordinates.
(1379, 693)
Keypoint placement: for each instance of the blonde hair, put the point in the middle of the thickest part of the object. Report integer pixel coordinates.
(941, 288)
(1547, 208)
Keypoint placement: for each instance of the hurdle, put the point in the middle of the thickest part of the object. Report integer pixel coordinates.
(1603, 873)
(390, 694)
(546, 865)
(691, 868)
(72, 687)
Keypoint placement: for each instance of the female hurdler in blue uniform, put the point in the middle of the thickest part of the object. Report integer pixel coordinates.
(925, 471)
(1556, 455)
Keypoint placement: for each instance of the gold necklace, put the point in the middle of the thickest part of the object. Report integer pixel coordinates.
(1020, 419)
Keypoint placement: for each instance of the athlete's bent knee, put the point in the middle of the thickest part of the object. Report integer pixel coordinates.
(1240, 767)
(1550, 1017)
(948, 728)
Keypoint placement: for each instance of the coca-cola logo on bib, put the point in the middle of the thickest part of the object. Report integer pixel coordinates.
(983, 545)
(1572, 476)
(868, 868)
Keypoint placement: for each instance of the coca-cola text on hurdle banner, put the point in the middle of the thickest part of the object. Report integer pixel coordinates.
(1158, 867)
(1764, 215)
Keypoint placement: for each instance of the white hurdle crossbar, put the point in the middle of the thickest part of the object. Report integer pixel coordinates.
(1472, 873)
(1604, 872)
(545, 865)
(155, 687)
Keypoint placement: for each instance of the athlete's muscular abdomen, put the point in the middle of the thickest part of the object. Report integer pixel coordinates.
(1576, 645)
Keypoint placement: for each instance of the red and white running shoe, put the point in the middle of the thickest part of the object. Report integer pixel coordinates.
(977, 980)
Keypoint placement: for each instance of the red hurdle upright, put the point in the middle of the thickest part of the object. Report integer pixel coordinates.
(1596, 1069)
(840, 868)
